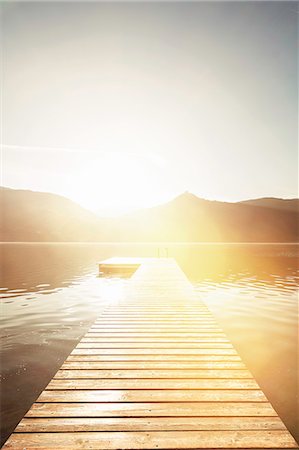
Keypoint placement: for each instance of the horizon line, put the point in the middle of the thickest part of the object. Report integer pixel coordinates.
(137, 208)
(151, 243)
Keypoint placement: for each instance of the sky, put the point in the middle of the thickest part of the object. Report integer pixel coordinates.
(126, 105)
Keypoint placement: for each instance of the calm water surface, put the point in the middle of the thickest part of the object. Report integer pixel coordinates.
(51, 294)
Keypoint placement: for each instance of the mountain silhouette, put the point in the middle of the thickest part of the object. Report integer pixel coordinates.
(37, 216)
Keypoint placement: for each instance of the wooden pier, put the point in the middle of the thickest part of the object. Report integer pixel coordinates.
(154, 372)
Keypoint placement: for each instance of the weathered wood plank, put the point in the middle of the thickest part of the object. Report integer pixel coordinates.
(158, 395)
(79, 365)
(185, 308)
(147, 322)
(262, 439)
(143, 345)
(143, 317)
(159, 314)
(111, 329)
(198, 333)
(181, 324)
(140, 310)
(152, 351)
(217, 409)
(149, 358)
(154, 339)
(153, 326)
(170, 305)
(154, 373)
(207, 318)
(143, 383)
(75, 424)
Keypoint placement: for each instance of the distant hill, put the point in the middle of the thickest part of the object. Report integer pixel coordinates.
(36, 216)
(275, 203)
(39, 216)
(189, 218)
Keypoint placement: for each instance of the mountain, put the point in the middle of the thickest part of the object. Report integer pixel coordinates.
(275, 203)
(37, 216)
(189, 218)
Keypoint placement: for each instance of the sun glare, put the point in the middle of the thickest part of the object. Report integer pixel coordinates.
(119, 183)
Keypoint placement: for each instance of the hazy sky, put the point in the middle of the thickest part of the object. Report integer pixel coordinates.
(120, 105)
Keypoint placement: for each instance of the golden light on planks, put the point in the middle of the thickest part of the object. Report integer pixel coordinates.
(154, 371)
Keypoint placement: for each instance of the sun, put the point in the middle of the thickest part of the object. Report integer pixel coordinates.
(116, 183)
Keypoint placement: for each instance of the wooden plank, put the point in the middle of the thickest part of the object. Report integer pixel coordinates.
(147, 304)
(201, 324)
(217, 409)
(154, 327)
(161, 320)
(140, 309)
(150, 358)
(185, 307)
(199, 333)
(177, 340)
(156, 318)
(146, 321)
(154, 383)
(161, 315)
(157, 395)
(144, 345)
(79, 365)
(147, 324)
(153, 351)
(142, 316)
(170, 304)
(154, 336)
(262, 439)
(75, 424)
(137, 311)
(151, 329)
(154, 373)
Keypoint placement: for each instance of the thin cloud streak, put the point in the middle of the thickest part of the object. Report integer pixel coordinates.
(46, 149)
(153, 157)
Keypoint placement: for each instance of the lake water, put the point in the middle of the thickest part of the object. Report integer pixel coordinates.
(51, 294)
